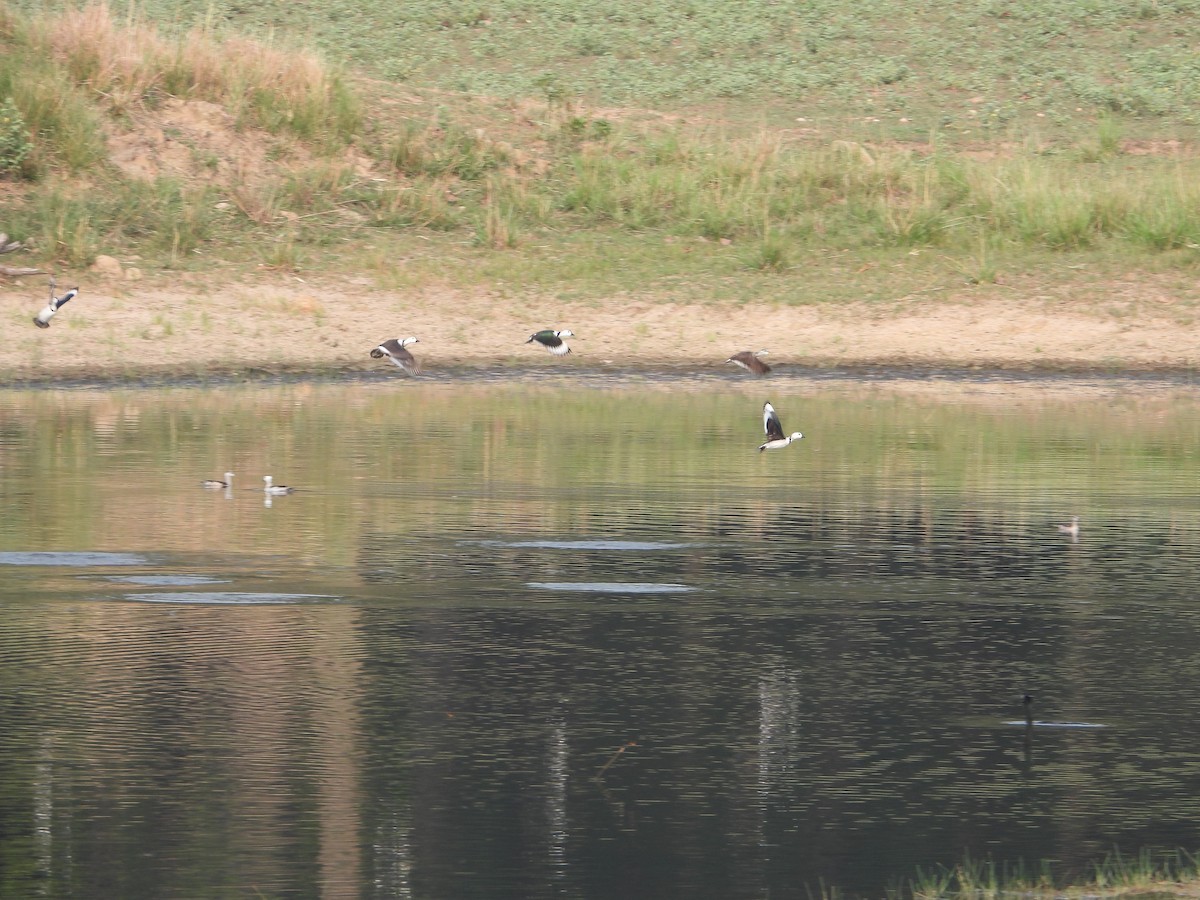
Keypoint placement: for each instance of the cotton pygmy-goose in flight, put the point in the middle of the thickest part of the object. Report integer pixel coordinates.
(775, 437)
(749, 360)
(275, 489)
(394, 350)
(215, 485)
(42, 319)
(552, 340)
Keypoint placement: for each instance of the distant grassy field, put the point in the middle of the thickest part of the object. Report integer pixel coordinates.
(1049, 64)
(708, 150)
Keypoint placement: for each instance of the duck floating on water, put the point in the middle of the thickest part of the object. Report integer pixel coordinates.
(552, 340)
(394, 350)
(214, 485)
(42, 319)
(275, 489)
(1030, 722)
(776, 439)
(749, 360)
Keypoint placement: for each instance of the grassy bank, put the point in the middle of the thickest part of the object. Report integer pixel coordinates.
(338, 189)
(1167, 873)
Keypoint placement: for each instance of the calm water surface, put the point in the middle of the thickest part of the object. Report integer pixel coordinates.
(576, 637)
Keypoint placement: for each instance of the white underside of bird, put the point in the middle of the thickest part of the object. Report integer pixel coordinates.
(275, 489)
(552, 340)
(776, 439)
(394, 350)
(42, 319)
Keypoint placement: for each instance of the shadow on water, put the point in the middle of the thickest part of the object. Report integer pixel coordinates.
(581, 638)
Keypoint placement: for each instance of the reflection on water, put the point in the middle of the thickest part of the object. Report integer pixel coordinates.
(611, 587)
(580, 638)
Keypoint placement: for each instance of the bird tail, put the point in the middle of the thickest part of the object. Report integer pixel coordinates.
(376, 353)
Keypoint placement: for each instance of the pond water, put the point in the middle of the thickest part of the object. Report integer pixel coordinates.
(575, 636)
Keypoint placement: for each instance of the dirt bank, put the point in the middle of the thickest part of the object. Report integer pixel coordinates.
(130, 328)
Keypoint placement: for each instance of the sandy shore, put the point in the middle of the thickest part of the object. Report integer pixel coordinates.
(280, 324)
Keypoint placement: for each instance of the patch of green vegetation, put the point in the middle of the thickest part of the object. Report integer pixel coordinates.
(1056, 64)
(1147, 873)
(546, 195)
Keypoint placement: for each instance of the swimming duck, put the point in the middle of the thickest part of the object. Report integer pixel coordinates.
(749, 360)
(42, 319)
(775, 437)
(394, 350)
(1072, 529)
(215, 485)
(269, 488)
(552, 340)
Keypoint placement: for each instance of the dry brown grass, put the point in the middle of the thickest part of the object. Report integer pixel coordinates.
(131, 62)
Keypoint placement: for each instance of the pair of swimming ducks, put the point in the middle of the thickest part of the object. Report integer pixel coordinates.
(269, 486)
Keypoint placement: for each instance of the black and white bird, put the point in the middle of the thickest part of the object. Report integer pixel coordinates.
(775, 436)
(394, 350)
(42, 319)
(749, 360)
(215, 485)
(552, 340)
(275, 489)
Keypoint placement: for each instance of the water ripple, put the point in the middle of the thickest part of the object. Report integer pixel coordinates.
(593, 545)
(82, 558)
(166, 580)
(231, 598)
(612, 587)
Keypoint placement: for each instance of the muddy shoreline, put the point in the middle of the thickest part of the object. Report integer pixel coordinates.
(157, 331)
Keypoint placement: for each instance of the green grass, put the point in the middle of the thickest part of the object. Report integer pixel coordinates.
(1055, 64)
(546, 193)
(1163, 873)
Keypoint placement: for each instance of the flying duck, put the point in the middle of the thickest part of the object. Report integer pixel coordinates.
(269, 488)
(775, 437)
(394, 350)
(42, 319)
(552, 340)
(1072, 529)
(215, 485)
(749, 360)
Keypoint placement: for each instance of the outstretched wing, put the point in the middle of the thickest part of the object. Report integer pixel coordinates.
(771, 424)
(739, 359)
(749, 361)
(65, 298)
(551, 342)
(406, 361)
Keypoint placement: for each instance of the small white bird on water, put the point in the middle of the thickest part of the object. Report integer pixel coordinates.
(749, 360)
(42, 319)
(394, 350)
(275, 489)
(215, 485)
(1072, 529)
(552, 340)
(776, 440)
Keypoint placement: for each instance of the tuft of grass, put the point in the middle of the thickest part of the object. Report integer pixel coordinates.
(1112, 876)
(132, 63)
